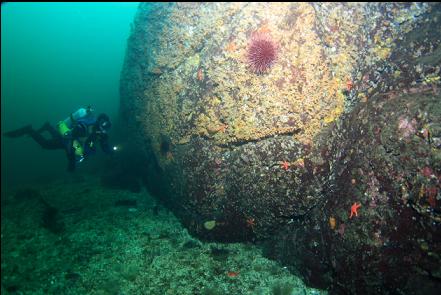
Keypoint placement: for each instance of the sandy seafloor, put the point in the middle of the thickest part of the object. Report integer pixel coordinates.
(77, 237)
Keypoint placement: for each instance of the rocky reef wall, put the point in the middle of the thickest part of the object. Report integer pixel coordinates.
(345, 118)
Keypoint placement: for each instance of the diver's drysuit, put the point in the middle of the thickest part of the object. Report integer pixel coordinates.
(77, 134)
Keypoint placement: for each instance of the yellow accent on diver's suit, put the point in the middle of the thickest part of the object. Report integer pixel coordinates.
(79, 151)
(63, 129)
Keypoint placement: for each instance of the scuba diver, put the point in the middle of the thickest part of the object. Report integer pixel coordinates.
(77, 135)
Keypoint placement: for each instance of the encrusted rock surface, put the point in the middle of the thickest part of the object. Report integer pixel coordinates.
(348, 113)
(384, 158)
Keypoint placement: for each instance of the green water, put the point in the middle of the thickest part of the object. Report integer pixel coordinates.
(55, 58)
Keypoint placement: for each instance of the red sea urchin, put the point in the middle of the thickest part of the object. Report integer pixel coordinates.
(262, 52)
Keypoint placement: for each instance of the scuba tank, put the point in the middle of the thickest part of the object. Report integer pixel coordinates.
(65, 126)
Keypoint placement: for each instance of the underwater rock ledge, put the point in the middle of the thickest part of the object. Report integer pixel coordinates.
(348, 114)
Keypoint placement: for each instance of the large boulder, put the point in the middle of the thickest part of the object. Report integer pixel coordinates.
(220, 132)
(270, 120)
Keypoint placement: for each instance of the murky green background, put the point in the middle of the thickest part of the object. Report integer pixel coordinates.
(56, 57)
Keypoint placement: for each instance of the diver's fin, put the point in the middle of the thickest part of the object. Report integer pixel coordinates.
(19, 132)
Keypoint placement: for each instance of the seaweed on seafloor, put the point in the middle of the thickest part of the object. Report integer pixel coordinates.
(27, 194)
(219, 254)
(282, 288)
(51, 219)
(126, 203)
(211, 290)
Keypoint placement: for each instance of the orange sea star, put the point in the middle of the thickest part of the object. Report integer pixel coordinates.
(354, 209)
(285, 165)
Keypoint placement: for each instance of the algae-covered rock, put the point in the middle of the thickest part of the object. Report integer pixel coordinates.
(346, 115)
(384, 158)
